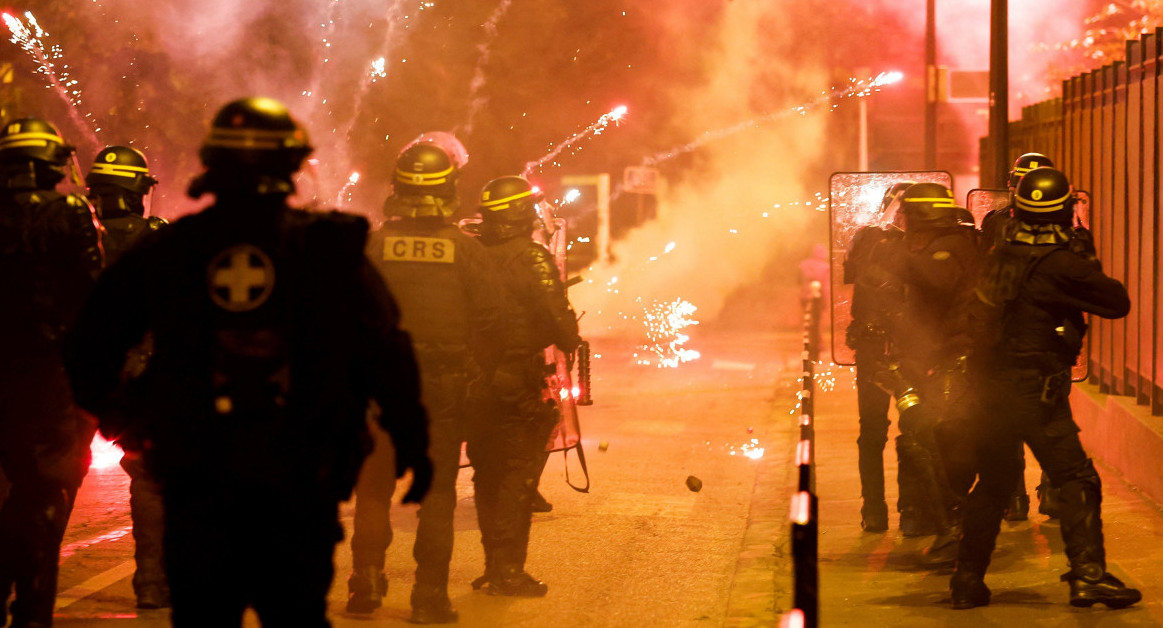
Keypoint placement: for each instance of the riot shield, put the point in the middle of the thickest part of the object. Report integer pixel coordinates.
(560, 387)
(981, 201)
(854, 201)
(1081, 370)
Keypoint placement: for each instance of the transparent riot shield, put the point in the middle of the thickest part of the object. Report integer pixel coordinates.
(981, 201)
(1081, 370)
(854, 201)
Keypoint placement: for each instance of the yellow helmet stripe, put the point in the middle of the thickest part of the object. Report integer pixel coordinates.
(254, 138)
(423, 178)
(31, 139)
(1042, 206)
(118, 171)
(939, 201)
(503, 203)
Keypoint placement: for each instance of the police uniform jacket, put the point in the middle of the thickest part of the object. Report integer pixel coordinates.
(541, 315)
(1043, 325)
(50, 254)
(449, 296)
(272, 331)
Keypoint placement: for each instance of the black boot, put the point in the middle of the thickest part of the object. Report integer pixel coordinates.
(968, 589)
(1049, 499)
(874, 517)
(430, 605)
(538, 503)
(916, 522)
(514, 581)
(943, 551)
(366, 589)
(1091, 584)
(1018, 508)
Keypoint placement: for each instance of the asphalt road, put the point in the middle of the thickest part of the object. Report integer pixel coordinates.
(640, 549)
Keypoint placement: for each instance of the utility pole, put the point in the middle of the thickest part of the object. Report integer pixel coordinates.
(930, 85)
(999, 94)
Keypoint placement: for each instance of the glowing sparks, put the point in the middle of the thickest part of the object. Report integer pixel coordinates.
(345, 191)
(750, 449)
(379, 69)
(31, 39)
(664, 324)
(571, 195)
(613, 116)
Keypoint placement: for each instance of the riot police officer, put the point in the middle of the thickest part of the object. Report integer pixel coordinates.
(272, 331)
(994, 228)
(508, 434)
(993, 225)
(50, 254)
(876, 292)
(930, 341)
(450, 303)
(1037, 286)
(118, 183)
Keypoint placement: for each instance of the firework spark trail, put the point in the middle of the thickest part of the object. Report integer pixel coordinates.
(476, 101)
(664, 324)
(329, 27)
(30, 38)
(378, 65)
(344, 193)
(855, 89)
(613, 116)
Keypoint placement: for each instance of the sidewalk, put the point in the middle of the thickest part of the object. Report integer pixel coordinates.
(877, 579)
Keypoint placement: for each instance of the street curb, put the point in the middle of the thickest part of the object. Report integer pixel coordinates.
(1122, 435)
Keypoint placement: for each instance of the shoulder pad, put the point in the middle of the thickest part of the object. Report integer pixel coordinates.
(537, 252)
(341, 227)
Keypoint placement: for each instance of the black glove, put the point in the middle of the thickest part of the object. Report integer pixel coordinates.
(421, 476)
(1082, 243)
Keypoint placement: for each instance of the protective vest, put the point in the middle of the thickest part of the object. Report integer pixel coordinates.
(541, 315)
(50, 252)
(1026, 334)
(874, 268)
(429, 265)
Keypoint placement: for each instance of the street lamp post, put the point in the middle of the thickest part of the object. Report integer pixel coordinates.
(999, 96)
(930, 85)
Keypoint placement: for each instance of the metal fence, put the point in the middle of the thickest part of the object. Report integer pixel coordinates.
(1104, 134)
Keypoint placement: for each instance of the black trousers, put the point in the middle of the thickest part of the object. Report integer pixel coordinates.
(229, 546)
(443, 390)
(506, 444)
(1032, 407)
(872, 404)
(44, 453)
(148, 514)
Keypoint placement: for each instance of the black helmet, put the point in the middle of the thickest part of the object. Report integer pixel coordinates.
(1044, 196)
(1026, 163)
(890, 213)
(254, 146)
(424, 183)
(511, 199)
(120, 167)
(33, 139)
(928, 206)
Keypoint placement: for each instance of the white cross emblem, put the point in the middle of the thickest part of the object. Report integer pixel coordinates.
(241, 278)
